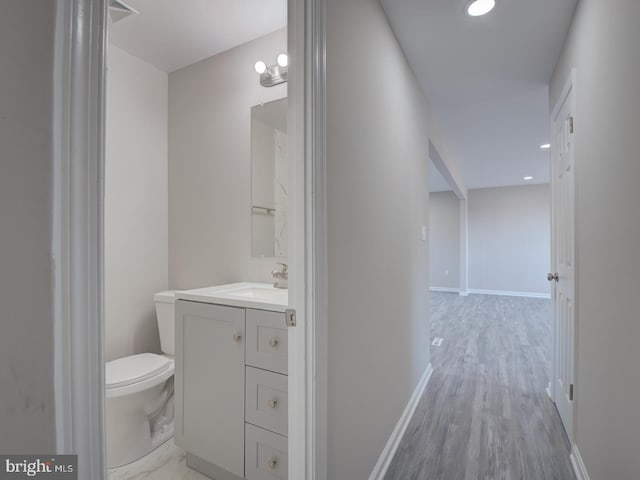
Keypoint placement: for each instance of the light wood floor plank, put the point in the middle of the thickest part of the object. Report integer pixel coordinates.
(485, 414)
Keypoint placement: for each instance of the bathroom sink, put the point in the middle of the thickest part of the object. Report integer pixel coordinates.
(260, 293)
(249, 295)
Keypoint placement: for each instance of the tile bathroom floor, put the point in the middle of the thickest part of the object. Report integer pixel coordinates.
(167, 462)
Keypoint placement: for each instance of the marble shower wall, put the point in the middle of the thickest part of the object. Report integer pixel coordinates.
(280, 193)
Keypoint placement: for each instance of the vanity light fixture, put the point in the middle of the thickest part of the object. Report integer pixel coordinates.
(545, 146)
(477, 8)
(272, 75)
(527, 178)
(283, 60)
(260, 67)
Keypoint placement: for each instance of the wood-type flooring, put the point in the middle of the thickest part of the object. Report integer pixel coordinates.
(485, 413)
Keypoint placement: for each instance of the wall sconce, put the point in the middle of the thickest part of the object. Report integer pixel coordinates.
(273, 74)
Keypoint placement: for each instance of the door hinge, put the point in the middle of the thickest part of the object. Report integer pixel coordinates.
(290, 316)
(571, 392)
(570, 124)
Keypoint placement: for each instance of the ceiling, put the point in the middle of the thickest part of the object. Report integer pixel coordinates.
(172, 34)
(486, 79)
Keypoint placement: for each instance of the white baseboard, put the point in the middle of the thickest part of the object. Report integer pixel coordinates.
(510, 294)
(444, 289)
(464, 293)
(382, 465)
(578, 465)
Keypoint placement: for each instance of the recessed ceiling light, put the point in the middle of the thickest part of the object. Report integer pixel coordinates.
(527, 178)
(545, 146)
(478, 8)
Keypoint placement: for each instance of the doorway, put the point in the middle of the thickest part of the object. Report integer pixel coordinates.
(79, 83)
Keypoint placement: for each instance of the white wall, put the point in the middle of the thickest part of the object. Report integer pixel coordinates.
(209, 166)
(509, 242)
(602, 46)
(136, 203)
(26, 288)
(444, 240)
(377, 167)
(509, 239)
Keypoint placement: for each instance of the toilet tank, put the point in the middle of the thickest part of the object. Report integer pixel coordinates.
(165, 313)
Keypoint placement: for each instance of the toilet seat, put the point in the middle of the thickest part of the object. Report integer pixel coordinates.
(136, 373)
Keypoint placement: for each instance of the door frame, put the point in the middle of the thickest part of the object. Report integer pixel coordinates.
(78, 225)
(568, 89)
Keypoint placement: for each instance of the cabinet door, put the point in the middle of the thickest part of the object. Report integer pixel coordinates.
(210, 383)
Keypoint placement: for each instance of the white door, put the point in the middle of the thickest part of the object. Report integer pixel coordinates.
(563, 257)
(209, 383)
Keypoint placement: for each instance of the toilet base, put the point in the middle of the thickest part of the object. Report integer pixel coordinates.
(135, 426)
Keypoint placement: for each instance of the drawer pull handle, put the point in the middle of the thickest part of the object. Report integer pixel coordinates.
(237, 337)
(272, 463)
(273, 403)
(274, 342)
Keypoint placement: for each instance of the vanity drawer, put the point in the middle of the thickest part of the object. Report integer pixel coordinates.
(265, 455)
(266, 398)
(267, 337)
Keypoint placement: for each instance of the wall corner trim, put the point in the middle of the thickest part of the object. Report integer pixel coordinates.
(578, 465)
(382, 465)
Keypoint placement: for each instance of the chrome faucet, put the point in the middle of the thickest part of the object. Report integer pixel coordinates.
(281, 277)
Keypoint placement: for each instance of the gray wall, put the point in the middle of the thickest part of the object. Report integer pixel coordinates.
(602, 46)
(136, 203)
(209, 166)
(444, 240)
(26, 288)
(509, 239)
(377, 166)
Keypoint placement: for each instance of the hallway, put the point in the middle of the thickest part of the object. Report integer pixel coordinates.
(485, 413)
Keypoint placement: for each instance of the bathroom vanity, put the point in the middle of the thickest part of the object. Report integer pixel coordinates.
(231, 381)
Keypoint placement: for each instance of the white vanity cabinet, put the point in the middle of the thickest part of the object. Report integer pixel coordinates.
(231, 401)
(209, 383)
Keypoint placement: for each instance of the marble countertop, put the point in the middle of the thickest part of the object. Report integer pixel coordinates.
(261, 296)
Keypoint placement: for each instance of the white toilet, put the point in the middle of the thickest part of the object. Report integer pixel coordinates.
(139, 391)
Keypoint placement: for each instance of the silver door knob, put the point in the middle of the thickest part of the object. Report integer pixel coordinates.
(273, 403)
(272, 463)
(274, 342)
(553, 276)
(237, 337)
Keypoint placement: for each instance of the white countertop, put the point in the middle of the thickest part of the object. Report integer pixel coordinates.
(261, 296)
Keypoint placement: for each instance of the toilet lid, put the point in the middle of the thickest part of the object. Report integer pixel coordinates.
(133, 369)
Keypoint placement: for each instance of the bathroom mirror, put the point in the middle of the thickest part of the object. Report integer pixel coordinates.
(269, 179)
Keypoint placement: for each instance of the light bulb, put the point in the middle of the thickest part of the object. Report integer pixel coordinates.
(283, 60)
(480, 7)
(260, 67)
